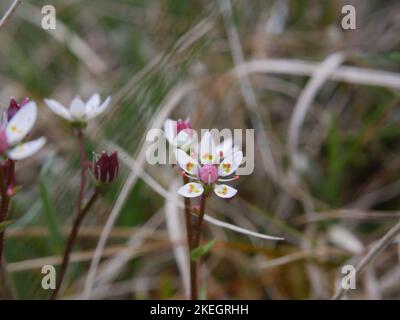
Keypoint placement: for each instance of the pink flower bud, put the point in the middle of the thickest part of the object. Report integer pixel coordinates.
(105, 168)
(208, 174)
(14, 107)
(183, 124)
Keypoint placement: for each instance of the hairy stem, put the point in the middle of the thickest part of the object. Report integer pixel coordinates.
(71, 240)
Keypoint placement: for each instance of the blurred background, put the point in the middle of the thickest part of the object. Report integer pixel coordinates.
(324, 105)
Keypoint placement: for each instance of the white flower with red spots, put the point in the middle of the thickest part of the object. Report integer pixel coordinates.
(13, 131)
(79, 111)
(211, 164)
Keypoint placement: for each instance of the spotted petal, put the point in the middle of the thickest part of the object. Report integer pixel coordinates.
(21, 123)
(191, 190)
(230, 164)
(224, 191)
(186, 162)
(58, 108)
(77, 109)
(208, 150)
(24, 150)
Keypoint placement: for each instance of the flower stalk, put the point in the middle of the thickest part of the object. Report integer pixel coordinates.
(71, 241)
(189, 233)
(105, 170)
(200, 220)
(84, 167)
(195, 244)
(6, 178)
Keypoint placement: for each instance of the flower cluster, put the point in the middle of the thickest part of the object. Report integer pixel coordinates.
(206, 166)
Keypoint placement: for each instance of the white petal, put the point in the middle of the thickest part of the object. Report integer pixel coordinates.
(184, 139)
(187, 163)
(226, 148)
(24, 150)
(77, 109)
(99, 109)
(224, 191)
(93, 103)
(208, 151)
(191, 190)
(230, 164)
(170, 128)
(58, 108)
(21, 123)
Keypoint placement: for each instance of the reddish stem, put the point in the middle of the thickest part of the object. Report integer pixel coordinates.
(71, 240)
(189, 233)
(83, 171)
(195, 243)
(79, 215)
(6, 180)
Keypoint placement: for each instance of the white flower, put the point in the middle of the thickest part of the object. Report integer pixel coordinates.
(179, 133)
(213, 164)
(16, 130)
(79, 111)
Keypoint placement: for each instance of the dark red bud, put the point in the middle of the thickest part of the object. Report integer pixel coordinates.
(105, 168)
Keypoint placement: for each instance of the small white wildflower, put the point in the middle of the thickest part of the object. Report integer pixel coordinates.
(78, 111)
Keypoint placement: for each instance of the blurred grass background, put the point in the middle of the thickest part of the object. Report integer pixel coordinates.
(141, 53)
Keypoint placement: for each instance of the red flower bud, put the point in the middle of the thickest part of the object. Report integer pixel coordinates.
(105, 168)
(14, 107)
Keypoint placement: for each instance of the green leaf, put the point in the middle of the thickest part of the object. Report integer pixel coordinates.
(200, 251)
(5, 224)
